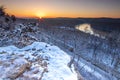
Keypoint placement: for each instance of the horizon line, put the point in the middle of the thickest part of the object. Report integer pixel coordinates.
(70, 17)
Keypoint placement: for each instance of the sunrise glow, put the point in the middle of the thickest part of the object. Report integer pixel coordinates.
(40, 14)
(62, 8)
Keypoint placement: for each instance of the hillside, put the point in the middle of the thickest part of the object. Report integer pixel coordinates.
(95, 57)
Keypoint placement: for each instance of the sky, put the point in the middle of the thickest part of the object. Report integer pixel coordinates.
(62, 8)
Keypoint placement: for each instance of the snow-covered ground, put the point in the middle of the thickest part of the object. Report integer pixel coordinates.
(38, 61)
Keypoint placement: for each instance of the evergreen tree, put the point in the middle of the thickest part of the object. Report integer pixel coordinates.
(2, 10)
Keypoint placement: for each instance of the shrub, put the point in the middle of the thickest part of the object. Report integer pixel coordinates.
(13, 18)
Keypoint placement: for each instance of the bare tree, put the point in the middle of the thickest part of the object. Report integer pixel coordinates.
(114, 42)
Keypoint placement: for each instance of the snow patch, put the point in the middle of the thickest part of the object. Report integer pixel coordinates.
(45, 62)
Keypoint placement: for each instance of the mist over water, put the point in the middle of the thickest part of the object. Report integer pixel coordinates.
(86, 28)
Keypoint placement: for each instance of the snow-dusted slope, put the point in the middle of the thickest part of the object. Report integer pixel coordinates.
(38, 61)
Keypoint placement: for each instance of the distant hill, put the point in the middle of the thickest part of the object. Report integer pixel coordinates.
(103, 24)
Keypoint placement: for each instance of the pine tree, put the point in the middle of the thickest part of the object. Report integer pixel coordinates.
(2, 10)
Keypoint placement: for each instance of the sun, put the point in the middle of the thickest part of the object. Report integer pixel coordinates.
(40, 14)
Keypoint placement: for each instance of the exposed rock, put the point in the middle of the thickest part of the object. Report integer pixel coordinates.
(16, 69)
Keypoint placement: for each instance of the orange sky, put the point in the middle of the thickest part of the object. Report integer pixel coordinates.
(62, 8)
